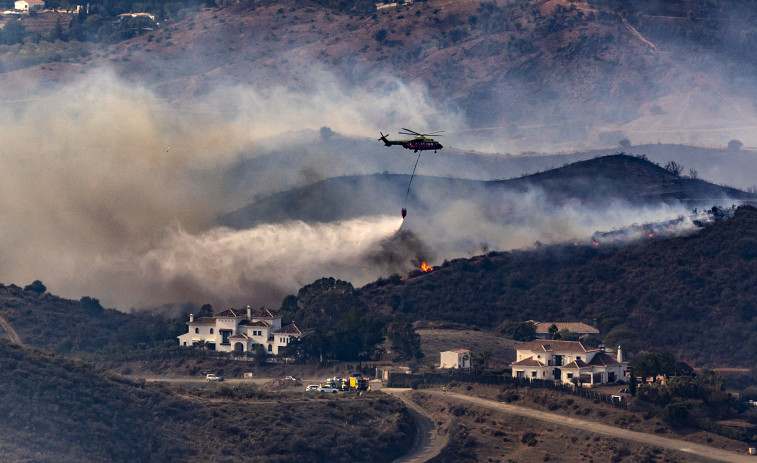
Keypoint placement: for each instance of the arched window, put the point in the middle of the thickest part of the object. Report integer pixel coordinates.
(211, 331)
(270, 347)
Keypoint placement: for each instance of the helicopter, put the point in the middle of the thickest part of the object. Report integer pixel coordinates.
(420, 142)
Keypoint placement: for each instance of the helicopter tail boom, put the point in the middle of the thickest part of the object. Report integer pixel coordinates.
(388, 142)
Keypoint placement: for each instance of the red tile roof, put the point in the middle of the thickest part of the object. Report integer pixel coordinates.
(231, 313)
(575, 364)
(203, 321)
(289, 329)
(529, 362)
(603, 359)
(546, 345)
(265, 313)
(262, 323)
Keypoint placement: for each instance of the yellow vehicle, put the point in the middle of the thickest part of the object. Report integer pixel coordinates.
(358, 383)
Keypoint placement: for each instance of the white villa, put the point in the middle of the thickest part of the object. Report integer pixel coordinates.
(459, 358)
(26, 5)
(569, 362)
(235, 330)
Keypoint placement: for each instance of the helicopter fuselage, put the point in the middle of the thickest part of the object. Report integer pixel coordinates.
(416, 144)
(422, 144)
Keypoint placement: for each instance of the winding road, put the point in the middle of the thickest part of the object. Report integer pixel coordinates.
(424, 450)
(428, 443)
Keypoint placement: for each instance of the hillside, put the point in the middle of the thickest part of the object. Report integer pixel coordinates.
(56, 410)
(692, 295)
(600, 181)
(529, 75)
(83, 327)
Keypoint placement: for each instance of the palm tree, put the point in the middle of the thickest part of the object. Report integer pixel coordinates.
(485, 355)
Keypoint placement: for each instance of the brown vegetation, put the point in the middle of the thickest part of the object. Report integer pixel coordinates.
(57, 410)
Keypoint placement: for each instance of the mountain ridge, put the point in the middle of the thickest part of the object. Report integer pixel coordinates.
(604, 179)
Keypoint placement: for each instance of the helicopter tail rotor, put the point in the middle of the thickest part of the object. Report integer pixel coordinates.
(383, 138)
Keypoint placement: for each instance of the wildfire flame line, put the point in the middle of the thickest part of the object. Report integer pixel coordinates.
(425, 267)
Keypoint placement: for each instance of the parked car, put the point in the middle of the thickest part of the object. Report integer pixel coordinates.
(292, 378)
(213, 377)
(328, 389)
(312, 387)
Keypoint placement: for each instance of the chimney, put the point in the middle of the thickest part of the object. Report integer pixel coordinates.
(620, 355)
(191, 317)
(249, 313)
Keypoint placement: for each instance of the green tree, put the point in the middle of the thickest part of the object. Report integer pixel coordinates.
(90, 304)
(258, 354)
(485, 356)
(13, 32)
(36, 286)
(632, 382)
(404, 341)
(355, 336)
(517, 330)
(674, 168)
(205, 311)
(380, 36)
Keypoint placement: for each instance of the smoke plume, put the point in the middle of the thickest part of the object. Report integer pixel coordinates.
(111, 192)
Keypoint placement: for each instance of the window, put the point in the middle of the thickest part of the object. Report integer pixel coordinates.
(578, 358)
(533, 374)
(570, 375)
(270, 347)
(211, 331)
(197, 330)
(225, 336)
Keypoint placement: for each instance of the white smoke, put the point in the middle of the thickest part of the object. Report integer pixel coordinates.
(515, 220)
(236, 267)
(97, 172)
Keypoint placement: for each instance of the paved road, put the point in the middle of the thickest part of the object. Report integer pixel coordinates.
(428, 443)
(650, 439)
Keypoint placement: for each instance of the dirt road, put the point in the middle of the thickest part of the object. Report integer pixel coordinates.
(428, 443)
(650, 439)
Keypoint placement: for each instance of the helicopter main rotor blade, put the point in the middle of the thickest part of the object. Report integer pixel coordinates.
(412, 132)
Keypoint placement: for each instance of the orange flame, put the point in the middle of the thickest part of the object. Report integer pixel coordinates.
(425, 267)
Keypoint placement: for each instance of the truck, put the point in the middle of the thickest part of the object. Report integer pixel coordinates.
(358, 383)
